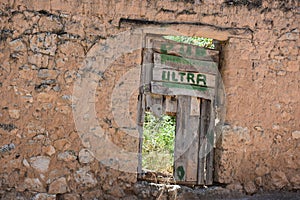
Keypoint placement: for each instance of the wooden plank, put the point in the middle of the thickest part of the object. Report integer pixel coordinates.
(140, 121)
(204, 120)
(150, 38)
(192, 152)
(186, 142)
(170, 105)
(154, 104)
(185, 50)
(146, 72)
(195, 107)
(181, 145)
(192, 78)
(210, 147)
(185, 64)
(165, 88)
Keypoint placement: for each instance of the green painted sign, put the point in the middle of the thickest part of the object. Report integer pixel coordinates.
(167, 59)
(185, 80)
(184, 50)
(184, 77)
(184, 86)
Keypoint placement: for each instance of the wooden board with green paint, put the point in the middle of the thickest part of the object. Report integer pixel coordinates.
(185, 64)
(186, 141)
(185, 50)
(205, 113)
(181, 77)
(169, 88)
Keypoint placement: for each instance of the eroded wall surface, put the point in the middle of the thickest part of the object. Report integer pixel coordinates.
(44, 45)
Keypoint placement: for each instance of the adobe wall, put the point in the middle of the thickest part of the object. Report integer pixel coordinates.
(47, 149)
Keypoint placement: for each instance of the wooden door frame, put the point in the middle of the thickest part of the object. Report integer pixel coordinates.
(145, 82)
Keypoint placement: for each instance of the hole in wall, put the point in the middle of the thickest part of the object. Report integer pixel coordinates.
(158, 144)
(163, 156)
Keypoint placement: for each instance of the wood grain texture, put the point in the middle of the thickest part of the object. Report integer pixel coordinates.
(186, 141)
(179, 89)
(185, 64)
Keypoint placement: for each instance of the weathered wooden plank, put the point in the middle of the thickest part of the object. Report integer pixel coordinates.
(140, 121)
(150, 38)
(146, 72)
(195, 108)
(210, 147)
(170, 105)
(181, 144)
(186, 142)
(154, 104)
(204, 123)
(170, 75)
(185, 64)
(165, 88)
(191, 156)
(185, 50)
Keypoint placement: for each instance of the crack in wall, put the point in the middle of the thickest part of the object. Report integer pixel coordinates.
(162, 23)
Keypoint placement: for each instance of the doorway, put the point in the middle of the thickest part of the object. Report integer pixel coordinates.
(178, 80)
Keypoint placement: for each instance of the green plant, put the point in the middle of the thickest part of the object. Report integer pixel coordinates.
(158, 143)
(199, 41)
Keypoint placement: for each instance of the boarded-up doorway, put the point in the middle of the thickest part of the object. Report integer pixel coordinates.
(182, 79)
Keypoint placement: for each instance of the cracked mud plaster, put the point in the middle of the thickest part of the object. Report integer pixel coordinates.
(44, 44)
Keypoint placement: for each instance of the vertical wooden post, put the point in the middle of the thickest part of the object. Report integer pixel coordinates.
(186, 140)
(204, 124)
(210, 146)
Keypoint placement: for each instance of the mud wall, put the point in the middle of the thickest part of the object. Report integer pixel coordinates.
(44, 46)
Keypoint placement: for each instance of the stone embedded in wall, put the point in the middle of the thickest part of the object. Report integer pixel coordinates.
(47, 74)
(61, 144)
(45, 43)
(21, 24)
(7, 147)
(250, 187)
(44, 196)
(34, 184)
(38, 60)
(25, 163)
(85, 156)
(59, 186)
(262, 170)
(49, 150)
(295, 181)
(50, 24)
(45, 97)
(296, 134)
(17, 45)
(40, 163)
(235, 187)
(14, 114)
(71, 196)
(67, 156)
(293, 66)
(234, 136)
(279, 179)
(289, 36)
(258, 128)
(74, 27)
(259, 181)
(85, 177)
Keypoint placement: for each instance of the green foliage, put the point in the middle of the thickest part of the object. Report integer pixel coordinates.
(199, 41)
(158, 144)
